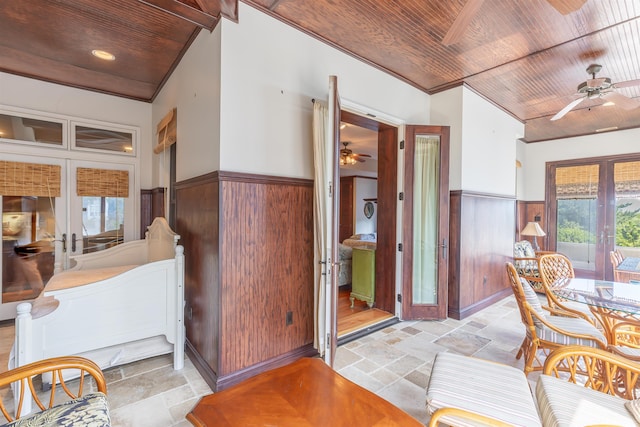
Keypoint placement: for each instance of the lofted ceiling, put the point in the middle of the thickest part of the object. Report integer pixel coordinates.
(525, 56)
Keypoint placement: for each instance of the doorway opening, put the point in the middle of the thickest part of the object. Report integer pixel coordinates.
(368, 185)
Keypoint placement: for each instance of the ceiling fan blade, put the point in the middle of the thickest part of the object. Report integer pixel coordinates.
(568, 108)
(565, 7)
(461, 22)
(628, 83)
(362, 155)
(621, 101)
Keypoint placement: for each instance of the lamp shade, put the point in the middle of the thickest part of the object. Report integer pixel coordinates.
(533, 229)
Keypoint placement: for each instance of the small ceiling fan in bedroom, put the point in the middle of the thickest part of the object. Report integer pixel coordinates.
(348, 157)
(601, 88)
(471, 8)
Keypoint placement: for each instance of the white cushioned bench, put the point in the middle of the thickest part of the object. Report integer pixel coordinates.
(466, 391)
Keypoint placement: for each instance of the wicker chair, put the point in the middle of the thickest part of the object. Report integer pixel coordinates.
(525, 259)
(625, 339)
(579, 386)
(616, 258)
(557, 266)
(546, 333)
(91, 408)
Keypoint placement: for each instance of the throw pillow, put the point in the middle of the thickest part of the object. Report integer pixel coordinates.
(532, 298)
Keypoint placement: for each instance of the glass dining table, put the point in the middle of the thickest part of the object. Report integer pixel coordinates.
(610, 302)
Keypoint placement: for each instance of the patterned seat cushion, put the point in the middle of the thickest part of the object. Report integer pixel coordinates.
(90, 410)
(562, 403)
(498, 391)
(569, 324)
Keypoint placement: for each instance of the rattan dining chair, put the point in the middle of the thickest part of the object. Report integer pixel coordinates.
(625, 339)
(545, 333)
(557, 266)
(615, 257)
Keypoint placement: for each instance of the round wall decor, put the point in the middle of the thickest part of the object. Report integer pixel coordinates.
(368, 209)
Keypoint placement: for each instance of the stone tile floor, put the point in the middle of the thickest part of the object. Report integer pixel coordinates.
(394, 363)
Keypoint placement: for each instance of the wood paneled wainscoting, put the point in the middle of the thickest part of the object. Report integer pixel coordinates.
(481, 233)
(248, 243)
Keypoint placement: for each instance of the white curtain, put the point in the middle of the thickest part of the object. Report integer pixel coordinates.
(320, 197)
(425, 219)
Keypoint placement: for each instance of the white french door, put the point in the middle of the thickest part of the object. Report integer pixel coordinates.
(61, 215)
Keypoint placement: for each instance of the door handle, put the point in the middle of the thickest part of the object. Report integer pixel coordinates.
(444, 248)
(73, 242)
(64, 242)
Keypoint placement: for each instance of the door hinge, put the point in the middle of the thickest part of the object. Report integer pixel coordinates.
(402, 144)
(399, 247)
(399, 297)
(401, 195)
(330, 189)
(328, 341)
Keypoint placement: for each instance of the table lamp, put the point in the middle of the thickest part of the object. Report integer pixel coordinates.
(533, 229)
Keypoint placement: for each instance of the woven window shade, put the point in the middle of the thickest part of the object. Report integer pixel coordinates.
(167, 131)
(577, 182)
(29, 179)
(102, 182)
(626, 177)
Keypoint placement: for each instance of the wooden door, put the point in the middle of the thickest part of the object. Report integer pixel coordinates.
(425, 222)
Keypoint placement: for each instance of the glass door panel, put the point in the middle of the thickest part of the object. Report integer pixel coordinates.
(627, 213)
(28, 231)
(102, 222)
(425, 216)
(577, 215)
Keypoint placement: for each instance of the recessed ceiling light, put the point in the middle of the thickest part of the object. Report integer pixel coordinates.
(103, 54)
(607, 129)
(608, 104)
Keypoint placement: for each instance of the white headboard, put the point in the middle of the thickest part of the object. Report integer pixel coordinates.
(161, 240)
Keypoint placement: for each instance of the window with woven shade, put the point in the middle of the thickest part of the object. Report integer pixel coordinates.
(102, 182)
(29, 179)
(577, 182)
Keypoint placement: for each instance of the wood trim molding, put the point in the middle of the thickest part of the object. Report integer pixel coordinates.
(466, 193)
(226, 381)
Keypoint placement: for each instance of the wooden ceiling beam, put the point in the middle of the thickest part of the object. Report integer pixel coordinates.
(188, 13)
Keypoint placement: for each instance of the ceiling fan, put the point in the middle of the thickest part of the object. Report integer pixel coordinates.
(600, 88)
(471, 8)
(348, 157)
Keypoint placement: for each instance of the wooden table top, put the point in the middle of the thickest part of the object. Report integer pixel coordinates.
(304, 393)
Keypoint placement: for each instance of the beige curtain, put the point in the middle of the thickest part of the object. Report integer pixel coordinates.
(425, 219)
(320, 197)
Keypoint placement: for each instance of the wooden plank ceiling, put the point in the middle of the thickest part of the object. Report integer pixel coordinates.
(525, 56)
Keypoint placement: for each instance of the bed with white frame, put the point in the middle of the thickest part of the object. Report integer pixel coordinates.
(116, 306)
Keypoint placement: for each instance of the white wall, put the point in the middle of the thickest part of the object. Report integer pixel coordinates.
(194, 89)
(270, 73)
(365, 189)
(537, 154)
(483, 141)
(46, 97)
(446, 110)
